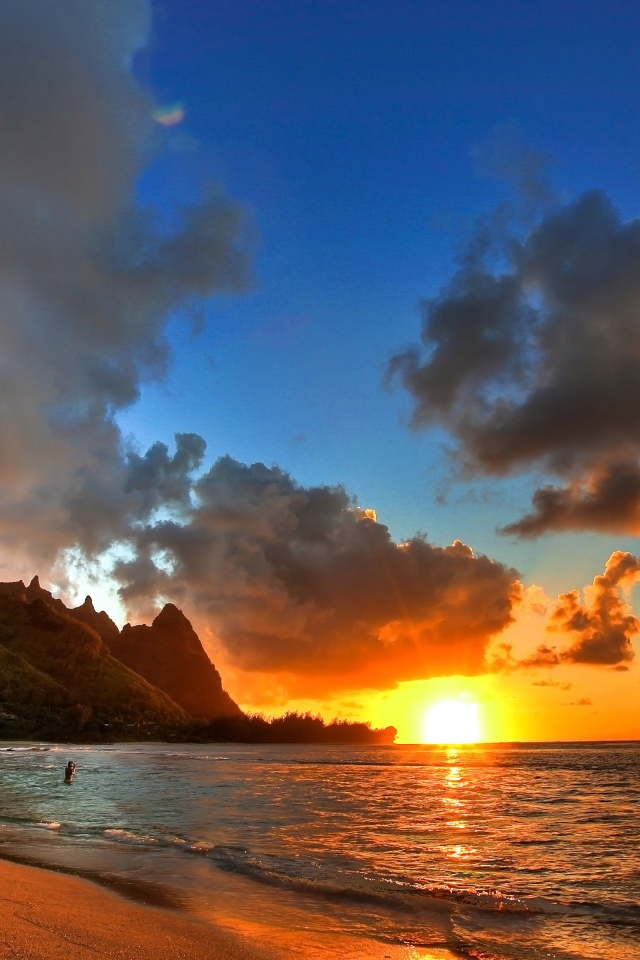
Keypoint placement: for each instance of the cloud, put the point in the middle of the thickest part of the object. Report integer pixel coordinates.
(601, 627)
(608, 501)
(530, 358)
(534, 364)
(299, 581)
(551, 683)
(506, 156)
(296, 582)
(88, 278)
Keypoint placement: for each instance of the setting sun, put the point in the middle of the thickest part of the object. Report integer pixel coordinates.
(452, 721)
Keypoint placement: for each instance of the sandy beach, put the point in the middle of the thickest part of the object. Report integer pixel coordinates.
(47, 915)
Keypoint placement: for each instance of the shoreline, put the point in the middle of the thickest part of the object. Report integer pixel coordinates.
(142, 892)
(59, 913)
(53, 914)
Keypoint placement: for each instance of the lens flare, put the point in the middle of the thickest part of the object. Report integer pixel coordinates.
(169, 115)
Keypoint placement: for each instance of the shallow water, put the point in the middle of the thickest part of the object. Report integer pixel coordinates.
(509, 852)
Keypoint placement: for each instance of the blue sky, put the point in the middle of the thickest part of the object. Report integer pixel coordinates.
(448, 190)
(354, 134)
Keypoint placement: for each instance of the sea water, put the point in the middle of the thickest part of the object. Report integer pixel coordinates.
(494, 852)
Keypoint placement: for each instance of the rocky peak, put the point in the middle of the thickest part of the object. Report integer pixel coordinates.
(35, 592)
(172, 624)
(169, 654)
(100, 621)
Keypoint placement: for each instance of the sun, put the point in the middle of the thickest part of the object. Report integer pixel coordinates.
(452, 721)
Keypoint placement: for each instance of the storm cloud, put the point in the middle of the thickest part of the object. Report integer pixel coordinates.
(530, 358)
(299, 581)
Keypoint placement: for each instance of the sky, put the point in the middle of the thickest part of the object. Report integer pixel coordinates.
(322, 321)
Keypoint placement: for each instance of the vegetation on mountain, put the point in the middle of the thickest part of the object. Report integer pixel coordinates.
(58, 679)
(293, 727)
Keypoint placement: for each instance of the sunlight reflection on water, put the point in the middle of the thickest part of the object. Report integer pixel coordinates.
(357, 842)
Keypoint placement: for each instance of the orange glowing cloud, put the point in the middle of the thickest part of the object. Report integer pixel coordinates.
(602, 625)
(300, 583)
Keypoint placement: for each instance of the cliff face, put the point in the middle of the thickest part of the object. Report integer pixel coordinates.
(101, 622)
(169, 655)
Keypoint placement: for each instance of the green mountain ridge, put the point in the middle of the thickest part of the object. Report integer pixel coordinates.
(59, 676)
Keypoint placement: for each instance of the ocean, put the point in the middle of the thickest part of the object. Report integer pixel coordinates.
(493, 852)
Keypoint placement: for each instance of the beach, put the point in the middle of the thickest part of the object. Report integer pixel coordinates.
(48, 916)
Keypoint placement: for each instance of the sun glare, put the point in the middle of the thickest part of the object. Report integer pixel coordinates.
(452, 721)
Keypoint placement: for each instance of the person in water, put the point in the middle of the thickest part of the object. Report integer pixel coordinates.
(69, 771)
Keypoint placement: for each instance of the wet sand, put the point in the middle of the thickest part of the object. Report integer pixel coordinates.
(51, 915)
(45, 915)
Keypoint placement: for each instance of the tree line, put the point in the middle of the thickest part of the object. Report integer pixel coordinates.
(293, 727)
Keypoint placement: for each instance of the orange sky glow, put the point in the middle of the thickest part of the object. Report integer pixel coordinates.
(523, 696)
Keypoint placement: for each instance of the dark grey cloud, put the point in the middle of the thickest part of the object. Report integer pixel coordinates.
(299, 581)
(163, 479)
(531, 359)
(88, 279)
(608, 501)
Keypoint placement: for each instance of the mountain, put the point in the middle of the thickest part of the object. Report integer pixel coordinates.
(71, 671)
(35, 592)
(169, 654)
(101, 622)
(58, 678)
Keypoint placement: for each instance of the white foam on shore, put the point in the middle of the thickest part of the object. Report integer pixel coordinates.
(127, 836)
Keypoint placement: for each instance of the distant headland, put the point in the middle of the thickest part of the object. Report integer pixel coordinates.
(72, 675)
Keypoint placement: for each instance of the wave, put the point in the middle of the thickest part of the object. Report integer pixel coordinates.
(122, 835)
(623, 913)
(401, 893)
(406, 894)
